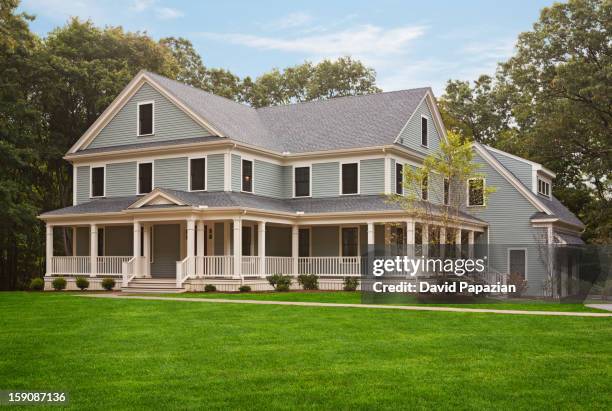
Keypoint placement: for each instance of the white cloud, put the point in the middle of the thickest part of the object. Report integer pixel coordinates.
(167, 13)
(367, 39)
(289, 21)
(141, 5)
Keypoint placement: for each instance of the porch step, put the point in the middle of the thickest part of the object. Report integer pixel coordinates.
(153, 285)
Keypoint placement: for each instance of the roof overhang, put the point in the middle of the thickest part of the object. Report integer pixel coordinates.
(157, 197)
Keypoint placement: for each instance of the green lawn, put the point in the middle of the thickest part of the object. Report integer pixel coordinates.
(355, 298)
(119, 353)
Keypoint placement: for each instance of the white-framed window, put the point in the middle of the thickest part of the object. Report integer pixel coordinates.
(349, 241)
(302, 186)
(144, 177)
(424, 131)
(197, 173)
(349, 178)
(543, 187)
(399, 178)
(247, 175)
(97, 177)
(145, 118)
(517, 262)
(475, 194)
(425, 188)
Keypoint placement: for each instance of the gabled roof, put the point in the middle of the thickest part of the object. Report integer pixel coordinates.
(338, 123)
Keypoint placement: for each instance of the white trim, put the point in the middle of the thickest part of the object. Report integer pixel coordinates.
(545, 182)
(528, 194)
(395, 178)
(252, 175)
(309, 167)
(467, 187)
(358, 162)
(526, 259)
(74, 184)
(138, 163)
(143, 103)
(156, 193)
(91, 167)
(227, 171)
(340, 228)
(205, 157)
(423, 116)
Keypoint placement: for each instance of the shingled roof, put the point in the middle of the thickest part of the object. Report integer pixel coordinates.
(338, 123)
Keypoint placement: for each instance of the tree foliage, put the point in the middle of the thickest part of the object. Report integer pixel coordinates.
(551, 103)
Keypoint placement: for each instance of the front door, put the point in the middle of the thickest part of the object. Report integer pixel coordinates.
(166, 250)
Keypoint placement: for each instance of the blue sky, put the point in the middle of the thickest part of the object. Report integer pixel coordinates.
(410, 44)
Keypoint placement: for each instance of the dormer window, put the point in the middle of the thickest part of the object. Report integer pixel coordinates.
(543, 187)
(424, 135)
(145, 118)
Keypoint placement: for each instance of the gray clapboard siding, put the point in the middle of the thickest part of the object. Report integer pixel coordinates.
(171, 173)
(267, 179)
(520, 169)
(82, 185)
(286, 181)
(170, 122)
(121, 179)
(118, 240)
(325, 179)
(325, 241)
(236, 172)
(215, 172)
(372, 176)
(411, 135)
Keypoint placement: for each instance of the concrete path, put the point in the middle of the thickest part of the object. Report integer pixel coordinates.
(607, 307)
(384, 307)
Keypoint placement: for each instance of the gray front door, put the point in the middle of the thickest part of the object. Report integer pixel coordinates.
(166, 250)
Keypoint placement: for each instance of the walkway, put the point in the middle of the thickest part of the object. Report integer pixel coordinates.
(376, 306)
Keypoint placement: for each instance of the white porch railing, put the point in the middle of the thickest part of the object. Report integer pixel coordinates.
(330, 266)
(185, 269)
(71, 265)
(111, 265)
(250, 266)
(215, 266)
(279, 265)
(128, 271)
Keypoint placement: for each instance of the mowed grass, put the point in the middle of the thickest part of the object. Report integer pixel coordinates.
(134, 354)
(347, 297)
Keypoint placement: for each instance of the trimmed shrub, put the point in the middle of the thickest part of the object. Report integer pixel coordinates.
(37, 284)
(309, 281)
(59, 283)
(82, 283)
(209, 288)
(279, 282)
(351, 283)
(245, 289)
(108, 283)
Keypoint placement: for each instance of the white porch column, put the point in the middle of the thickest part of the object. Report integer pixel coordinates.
(471, 244)
(146, 244)
(370, 233)
(190, 246)
(93, 249)
(237, 248)
(410, 237)
(425, 239)
(295, 247)
(136, 240)
(49, 247)
(201, 234)
(261, 247)
(458, 241)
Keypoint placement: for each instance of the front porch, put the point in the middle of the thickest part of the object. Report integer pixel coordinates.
(229, 252)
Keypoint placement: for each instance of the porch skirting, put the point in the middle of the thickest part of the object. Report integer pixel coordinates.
(230, 285)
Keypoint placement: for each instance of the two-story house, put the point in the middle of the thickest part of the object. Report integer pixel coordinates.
(175, 188)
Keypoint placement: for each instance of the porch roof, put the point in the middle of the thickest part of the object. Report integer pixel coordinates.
(224, 199)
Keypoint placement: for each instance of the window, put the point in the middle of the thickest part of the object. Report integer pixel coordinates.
(350, 178)
(302, 181)
(399, 178)
(97, 182)
(425, 188)
(475, 192)
(304, 242)
(446, 191)
(145, 118)
(424, 140)
(145, 178)
(197, 174)
(543, 187)
(350, 241)
(247, 176)
(100, 242)
(517, 262)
